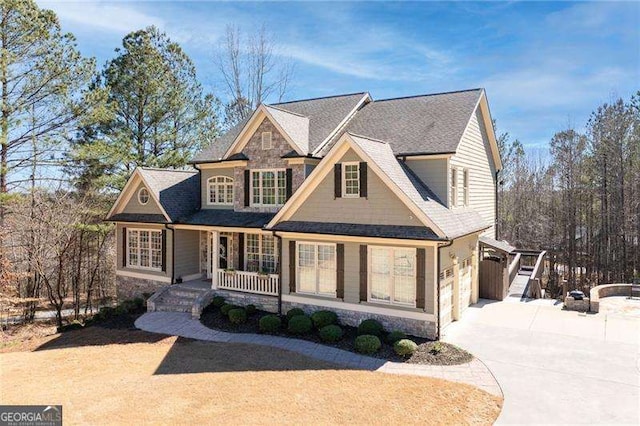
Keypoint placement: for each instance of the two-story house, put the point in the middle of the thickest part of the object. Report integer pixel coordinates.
(372, 209)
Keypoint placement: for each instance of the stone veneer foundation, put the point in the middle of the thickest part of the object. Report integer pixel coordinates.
(130, 287)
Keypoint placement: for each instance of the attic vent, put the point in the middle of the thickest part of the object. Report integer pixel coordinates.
(266, 140)
(143, 196)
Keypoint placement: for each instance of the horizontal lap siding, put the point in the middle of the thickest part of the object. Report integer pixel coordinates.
(474, 153)
(381, 207)
(134, 206)
(433, 173)
(187, 252)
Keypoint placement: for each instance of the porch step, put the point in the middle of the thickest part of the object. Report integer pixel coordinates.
(177, 298)
(176, 301)
(172, 308)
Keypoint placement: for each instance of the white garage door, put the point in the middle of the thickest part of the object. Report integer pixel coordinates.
(446, 296)
(465, 284)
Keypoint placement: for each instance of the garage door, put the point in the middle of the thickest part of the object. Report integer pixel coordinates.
(446, 296)
(465, 284)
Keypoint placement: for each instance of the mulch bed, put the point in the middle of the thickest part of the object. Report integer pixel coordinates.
(428, 353)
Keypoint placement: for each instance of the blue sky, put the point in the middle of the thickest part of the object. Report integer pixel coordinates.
(544, 65)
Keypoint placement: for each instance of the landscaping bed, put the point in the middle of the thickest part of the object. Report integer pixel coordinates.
(369, 339)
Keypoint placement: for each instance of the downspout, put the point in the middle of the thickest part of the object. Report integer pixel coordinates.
(275, 235)
(496, 206)
(438, 285)
(173, 253)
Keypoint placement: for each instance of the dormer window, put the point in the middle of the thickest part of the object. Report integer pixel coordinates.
(267, 142)
(220, 189)
(350, 179)
(143, 196)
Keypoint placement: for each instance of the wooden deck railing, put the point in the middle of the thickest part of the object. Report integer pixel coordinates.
(249, 282)
(534, 287)
(514, 267)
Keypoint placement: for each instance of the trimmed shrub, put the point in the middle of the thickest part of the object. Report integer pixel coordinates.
(218, 301)
(299, 324)
(270, 323)
(238, 315)
(293, 312)
(371, 327)
(323, 318)
(394, 336)
(331, 333)
(226, 308)
(251, 309)
(405, 347)
(367, 344)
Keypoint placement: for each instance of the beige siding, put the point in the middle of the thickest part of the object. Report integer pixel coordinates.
(461, 248)
(187, 245)
(134, 206)
(433, 172)
(119, 249)
(474, 154)
(381, 207)
(352, 272)
(204, 190)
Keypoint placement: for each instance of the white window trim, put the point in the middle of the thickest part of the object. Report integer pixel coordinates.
(226, 183)
(316, 293)
(148, 196)
(261, 253)
(453, 186)
(392, 274)
(465, 188)
(261, 171)
(270, 139)
(147, 268)
(344, 180)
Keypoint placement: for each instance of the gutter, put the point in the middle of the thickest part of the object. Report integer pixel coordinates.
(438, 330)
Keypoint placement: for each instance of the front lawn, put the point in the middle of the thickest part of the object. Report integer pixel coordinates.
(123, 376)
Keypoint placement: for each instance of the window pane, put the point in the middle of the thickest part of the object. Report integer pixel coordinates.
(404, 289)
(253, 252)
(380, 274)
(352, 179)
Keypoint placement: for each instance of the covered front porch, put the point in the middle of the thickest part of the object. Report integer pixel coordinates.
(240, 260)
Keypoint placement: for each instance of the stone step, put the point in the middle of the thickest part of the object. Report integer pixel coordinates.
(161, 307)
(185, 293)
(170, 300)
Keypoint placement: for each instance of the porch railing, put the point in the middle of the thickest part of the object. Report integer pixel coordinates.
(248, 282)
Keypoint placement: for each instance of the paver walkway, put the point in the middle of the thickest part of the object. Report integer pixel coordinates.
(180, 324)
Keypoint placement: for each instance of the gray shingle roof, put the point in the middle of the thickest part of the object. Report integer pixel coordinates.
(294, 125)
(228, 218)
(420, 124)
(177, 190)
(497, 244)
(453, 223)
(358, 230)
(138, 218)
(323, 114)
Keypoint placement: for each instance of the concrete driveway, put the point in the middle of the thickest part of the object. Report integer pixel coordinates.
(554, 366)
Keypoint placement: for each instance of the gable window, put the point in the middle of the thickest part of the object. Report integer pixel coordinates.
(454, 187)
(465, 186)
(260, 253)
(392, 275)
(144, 249)
(220, 189)
(316, 268)
(143, 196)
(350, 179)
(268, 187)
(267, 141)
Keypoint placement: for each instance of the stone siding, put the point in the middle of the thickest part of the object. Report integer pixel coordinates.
(571, 304)
(130, 287)
(265, 303)
(265, 159)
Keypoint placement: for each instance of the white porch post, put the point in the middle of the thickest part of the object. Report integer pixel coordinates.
(213, 258)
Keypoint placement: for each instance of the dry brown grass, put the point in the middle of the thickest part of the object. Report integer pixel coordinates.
(164, 380)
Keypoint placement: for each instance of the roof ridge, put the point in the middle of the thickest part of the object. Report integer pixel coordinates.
(284, 110)
(429, 94)
(159, 169)
(323, 97)
(368, 138)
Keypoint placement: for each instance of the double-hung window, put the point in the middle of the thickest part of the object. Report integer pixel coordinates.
(260, 253)
(268, 187)
(465, 186)
(350, 179)
(220, 190)
(316, 268)
(144, 249)
(392, 275)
